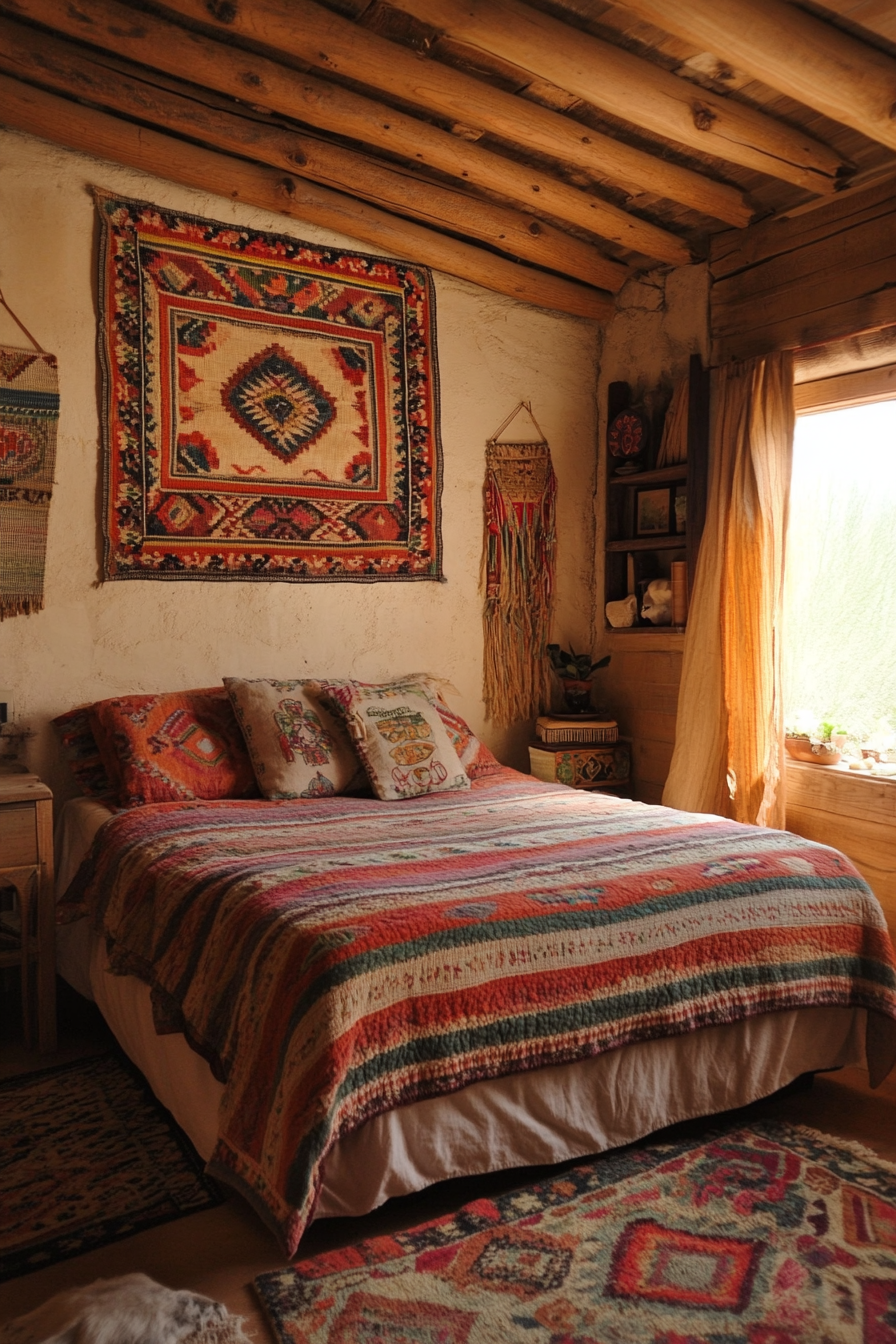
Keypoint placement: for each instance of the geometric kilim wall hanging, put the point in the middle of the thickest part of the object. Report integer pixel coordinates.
(29, 415)
(517, 575)
(271, 406)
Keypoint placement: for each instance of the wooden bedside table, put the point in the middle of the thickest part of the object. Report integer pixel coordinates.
(26, 865)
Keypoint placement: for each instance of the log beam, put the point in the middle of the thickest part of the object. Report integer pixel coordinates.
(794, 52)
(308, 31)
(69, 70)
(87, 131)
(169, 48)
(625, 85)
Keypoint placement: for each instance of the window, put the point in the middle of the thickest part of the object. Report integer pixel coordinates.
(839, 623)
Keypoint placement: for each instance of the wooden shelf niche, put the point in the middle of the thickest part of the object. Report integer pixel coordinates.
(632, 556)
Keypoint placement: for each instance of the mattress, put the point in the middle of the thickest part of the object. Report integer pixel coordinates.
(543, 1116)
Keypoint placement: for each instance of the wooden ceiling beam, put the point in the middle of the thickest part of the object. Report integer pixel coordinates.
(316, 36)
(627, 86)
(68, 69)
(167, 47)
(36, 112)
(794, 52)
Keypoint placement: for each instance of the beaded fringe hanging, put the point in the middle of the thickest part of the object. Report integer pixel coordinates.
(518, 575)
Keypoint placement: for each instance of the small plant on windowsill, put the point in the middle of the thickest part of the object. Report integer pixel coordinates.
(575, 672)
(820, 743)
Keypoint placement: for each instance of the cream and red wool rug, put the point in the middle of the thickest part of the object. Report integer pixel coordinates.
(87, 1157)
(762, 1234)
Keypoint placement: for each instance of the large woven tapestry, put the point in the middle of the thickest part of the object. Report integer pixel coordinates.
(271, 406)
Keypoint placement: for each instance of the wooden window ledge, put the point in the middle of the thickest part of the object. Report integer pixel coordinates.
(854, 812)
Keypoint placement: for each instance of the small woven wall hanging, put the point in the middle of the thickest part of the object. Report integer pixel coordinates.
(29, 414)
(518, 574)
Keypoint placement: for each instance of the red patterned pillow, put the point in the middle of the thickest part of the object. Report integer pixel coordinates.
(475, 756)
(173, 747)
(80, 749)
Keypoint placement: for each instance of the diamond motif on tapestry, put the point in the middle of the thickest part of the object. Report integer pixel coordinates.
(279, 402)
(284, 519)
(377, 522)
(182, 515)
(663, 1264)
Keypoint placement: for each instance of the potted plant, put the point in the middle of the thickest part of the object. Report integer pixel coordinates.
(575, 671)
(813, 742)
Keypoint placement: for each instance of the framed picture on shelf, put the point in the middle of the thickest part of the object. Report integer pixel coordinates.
(680, 509)
(652, 513)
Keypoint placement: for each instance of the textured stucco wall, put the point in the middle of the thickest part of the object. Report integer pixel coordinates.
(95, 640)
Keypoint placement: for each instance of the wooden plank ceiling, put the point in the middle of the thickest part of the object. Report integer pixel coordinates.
(545, 150)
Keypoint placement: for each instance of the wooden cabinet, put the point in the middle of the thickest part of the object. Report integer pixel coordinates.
(26, 871)
(655, 515)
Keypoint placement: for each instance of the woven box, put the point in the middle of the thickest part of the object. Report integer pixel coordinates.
(552, 729)
(581, 767)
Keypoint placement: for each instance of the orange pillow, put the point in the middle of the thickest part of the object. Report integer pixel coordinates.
(173, 747)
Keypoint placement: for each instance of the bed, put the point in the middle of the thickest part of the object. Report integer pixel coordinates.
(343, 999)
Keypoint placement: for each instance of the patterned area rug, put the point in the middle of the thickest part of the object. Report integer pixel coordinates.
(87, 1156)
(271, 406)
(766, 1234)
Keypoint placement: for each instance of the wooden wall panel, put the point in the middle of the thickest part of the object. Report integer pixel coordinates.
(855, 814)
(641, 689)
(817, 276)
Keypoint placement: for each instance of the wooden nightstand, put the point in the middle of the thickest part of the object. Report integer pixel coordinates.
(26, 865)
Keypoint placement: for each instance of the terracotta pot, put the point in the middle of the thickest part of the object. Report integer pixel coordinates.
(816, 753)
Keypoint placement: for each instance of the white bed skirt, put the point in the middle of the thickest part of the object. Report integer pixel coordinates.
(529, 1119)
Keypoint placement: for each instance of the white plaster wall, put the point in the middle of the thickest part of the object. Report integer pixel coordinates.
(662, 318)
(98, 639)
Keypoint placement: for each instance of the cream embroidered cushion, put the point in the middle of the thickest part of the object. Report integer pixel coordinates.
(400, 737)
(297, 747)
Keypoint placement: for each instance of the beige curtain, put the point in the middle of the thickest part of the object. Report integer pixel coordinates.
(729, 744)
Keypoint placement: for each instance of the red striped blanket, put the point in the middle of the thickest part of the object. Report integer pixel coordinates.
(333, 959)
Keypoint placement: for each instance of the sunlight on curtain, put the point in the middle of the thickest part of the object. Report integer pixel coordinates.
(728, 754)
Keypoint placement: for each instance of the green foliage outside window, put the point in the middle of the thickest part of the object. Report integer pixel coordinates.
(839, 622)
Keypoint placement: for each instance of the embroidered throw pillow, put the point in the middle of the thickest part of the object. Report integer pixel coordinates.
(400, 737)
(298, 748)
(80, 750)
(173, 747)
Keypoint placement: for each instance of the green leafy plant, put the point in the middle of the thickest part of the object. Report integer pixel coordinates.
(572, 666)
(804, 725)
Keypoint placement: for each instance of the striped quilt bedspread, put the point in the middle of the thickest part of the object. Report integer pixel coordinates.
(334, 959)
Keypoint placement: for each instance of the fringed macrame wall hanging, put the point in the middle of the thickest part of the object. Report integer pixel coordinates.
(29, 414)
(518, 573)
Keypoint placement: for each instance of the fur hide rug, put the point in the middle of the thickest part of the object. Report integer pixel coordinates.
(129, 1310)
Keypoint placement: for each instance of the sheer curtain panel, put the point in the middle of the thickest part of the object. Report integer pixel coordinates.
(728, 756)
